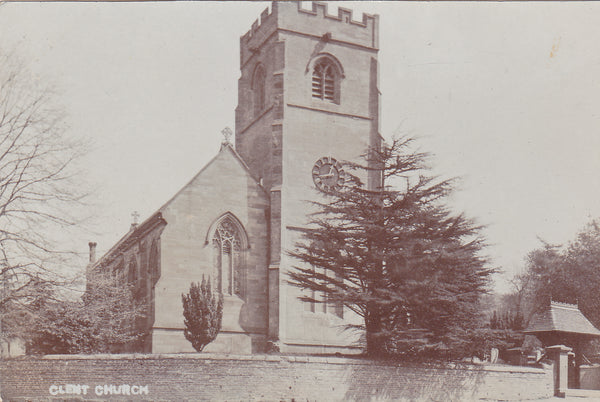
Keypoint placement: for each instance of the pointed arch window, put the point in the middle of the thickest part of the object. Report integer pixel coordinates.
(228, 249)
(326, 80)
(119, 269)
(258, 89)
(152, 278)
(154, 264)
(132, 274)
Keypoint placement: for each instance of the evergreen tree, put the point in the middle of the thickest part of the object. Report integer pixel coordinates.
(508, 320)
(395, 255)
(494, 323)
(203, 312)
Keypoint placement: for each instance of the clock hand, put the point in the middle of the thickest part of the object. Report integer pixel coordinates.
(331, 172)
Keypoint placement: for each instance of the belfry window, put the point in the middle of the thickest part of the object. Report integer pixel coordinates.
(228, 259)
(326, 81)
(258, 89)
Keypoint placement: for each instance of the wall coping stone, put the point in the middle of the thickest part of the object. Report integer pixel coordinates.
(290, 359)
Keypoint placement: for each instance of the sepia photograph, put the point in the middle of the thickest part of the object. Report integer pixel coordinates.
(299, 200)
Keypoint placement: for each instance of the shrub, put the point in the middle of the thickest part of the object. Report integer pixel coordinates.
(202, 312)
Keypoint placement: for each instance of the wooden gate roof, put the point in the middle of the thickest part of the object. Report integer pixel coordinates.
(561, 317)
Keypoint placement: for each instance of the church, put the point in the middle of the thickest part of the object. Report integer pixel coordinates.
(308, 98)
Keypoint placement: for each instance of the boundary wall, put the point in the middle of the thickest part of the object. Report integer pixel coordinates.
(261, 377)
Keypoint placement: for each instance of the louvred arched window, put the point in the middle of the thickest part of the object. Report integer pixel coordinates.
(326, 80)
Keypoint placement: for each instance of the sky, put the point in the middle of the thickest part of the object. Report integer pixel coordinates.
(504, 95)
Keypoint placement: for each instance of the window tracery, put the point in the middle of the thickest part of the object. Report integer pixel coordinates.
(228, 258)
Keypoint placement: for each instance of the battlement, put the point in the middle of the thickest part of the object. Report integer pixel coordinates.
(344, 14)
(290, 16)
(319, 9)
(259, 24)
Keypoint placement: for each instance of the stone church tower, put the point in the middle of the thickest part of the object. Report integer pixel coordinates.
(308, 99)
(307, 96)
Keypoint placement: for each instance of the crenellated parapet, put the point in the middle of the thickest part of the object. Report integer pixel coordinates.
(258, 26)
(344, 15)
(261, 29)
(341, 28)
(291, 17)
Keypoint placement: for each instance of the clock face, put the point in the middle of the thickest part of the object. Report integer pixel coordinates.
(328, 174)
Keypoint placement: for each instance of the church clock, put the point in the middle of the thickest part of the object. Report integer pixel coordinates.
(328, 174)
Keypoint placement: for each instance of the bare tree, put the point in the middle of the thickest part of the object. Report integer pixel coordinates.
(37, 194)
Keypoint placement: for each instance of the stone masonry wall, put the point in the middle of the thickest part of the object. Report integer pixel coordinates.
(262, 377)
(222, 188)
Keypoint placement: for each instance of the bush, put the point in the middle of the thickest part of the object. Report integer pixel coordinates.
(202, 312)
(456, 344)
(106, 319)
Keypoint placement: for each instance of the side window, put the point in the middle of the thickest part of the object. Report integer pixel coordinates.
(118, 270)
(132, 274)
(154, 265)
(258, 89)
(323, 304)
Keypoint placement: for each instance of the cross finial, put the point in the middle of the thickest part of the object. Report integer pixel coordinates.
(227, 133)
(135, 216)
